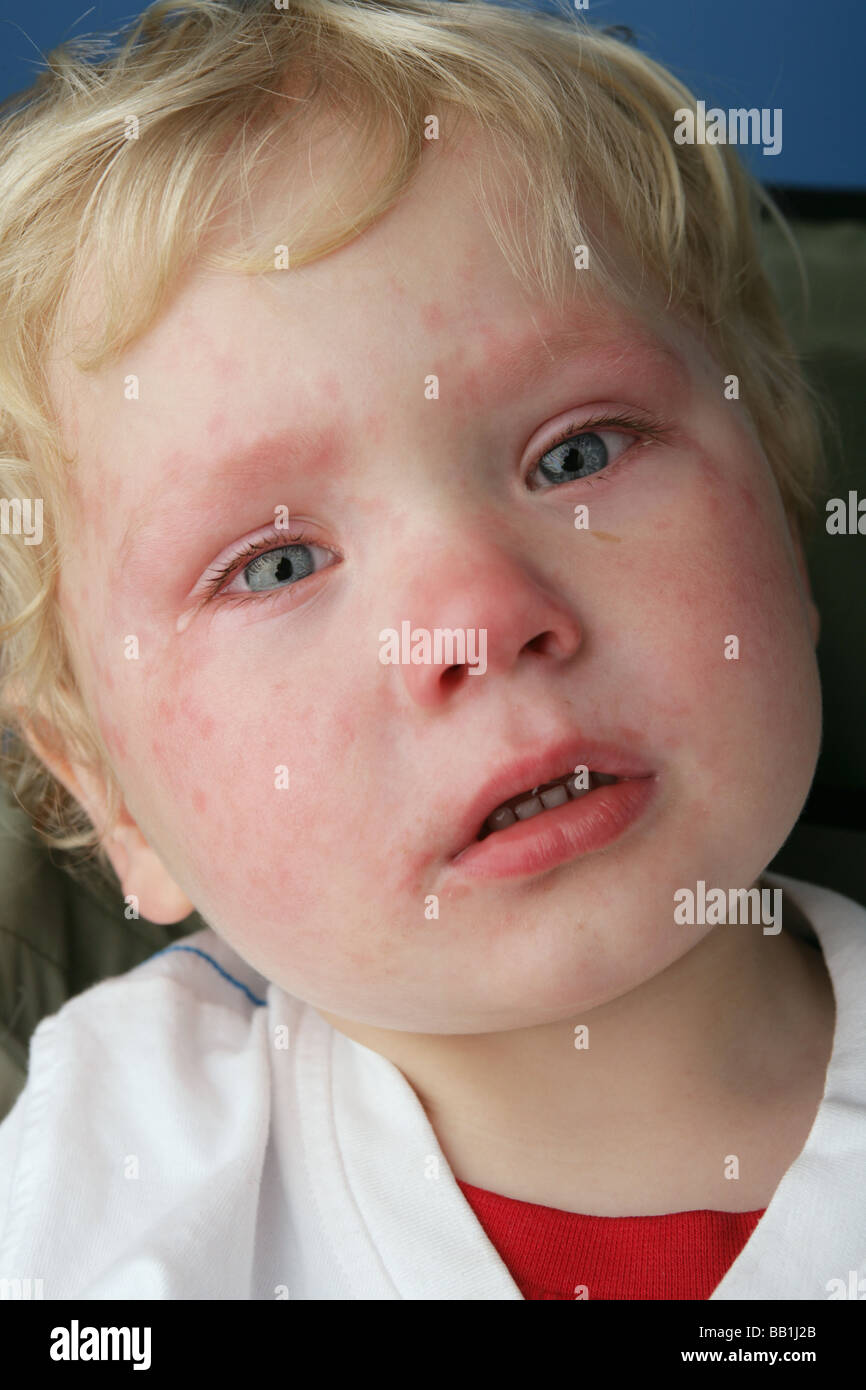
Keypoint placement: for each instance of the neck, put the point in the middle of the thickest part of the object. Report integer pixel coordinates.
(668, 1080)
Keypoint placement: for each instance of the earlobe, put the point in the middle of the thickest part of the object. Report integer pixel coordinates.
(139, 869)
(143, 876)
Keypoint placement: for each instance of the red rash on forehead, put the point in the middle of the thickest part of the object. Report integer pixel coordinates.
(320, 448)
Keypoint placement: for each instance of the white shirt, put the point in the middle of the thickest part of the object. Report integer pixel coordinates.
(190, 1131)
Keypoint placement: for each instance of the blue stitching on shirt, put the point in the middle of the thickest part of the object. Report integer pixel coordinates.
(194, 950)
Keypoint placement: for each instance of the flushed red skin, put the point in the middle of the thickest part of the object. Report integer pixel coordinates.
(325, 886)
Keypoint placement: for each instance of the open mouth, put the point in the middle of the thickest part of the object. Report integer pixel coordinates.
(546, 797)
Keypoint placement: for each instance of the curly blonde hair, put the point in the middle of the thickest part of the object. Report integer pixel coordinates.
(208, 90)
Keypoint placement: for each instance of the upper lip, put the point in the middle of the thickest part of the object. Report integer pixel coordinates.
(533, 769)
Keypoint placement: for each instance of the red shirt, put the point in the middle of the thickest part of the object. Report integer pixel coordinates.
(562, 1254)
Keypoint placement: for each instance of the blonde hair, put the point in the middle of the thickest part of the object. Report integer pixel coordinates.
(216, 89)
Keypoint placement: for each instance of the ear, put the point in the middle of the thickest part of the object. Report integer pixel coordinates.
(811, 606)
(139, 869)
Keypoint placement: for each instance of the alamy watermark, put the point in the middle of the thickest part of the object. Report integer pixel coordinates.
(447, 646)
(22, 516)
(710, 907)
(76, 1343)
(738, 126)
(21, 1289)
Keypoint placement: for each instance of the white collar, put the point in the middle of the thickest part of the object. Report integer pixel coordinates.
(416, 1237)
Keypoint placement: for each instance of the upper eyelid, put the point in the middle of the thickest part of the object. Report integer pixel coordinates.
(623, 420)
(647, 428)
(217, 577)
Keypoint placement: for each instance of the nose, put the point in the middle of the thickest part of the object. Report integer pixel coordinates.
(499, 610)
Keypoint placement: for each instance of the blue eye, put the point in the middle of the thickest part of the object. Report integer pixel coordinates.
(580, 454)
(268, 568)
(276, 568)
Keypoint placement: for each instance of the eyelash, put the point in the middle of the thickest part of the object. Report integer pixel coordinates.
(649, 430)
(238, 563)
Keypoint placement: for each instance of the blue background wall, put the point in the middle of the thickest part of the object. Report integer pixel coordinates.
(804, 57)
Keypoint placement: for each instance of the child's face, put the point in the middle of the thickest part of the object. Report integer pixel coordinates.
(307, 391)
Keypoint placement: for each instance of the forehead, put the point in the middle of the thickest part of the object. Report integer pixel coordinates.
(425, 291)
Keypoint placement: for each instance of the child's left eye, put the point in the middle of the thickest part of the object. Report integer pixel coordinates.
(583, 450)
(581, 455)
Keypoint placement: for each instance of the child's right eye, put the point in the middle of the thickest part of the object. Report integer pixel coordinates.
(284, 563)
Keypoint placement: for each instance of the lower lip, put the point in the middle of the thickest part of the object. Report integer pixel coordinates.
(553, 837)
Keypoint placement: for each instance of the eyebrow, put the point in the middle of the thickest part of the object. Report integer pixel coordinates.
(522, 365)
(246, 465)
(528, 362)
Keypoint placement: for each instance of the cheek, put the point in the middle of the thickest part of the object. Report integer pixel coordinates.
(248, 792)
(730, 647)
(708, 558)
(742, 582)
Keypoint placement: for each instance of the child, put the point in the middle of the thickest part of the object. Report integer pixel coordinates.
(428, 611)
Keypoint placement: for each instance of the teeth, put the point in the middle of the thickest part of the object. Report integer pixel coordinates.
(544, 798)
(556, 796)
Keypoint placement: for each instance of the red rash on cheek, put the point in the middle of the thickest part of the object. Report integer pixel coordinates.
(93, 513)
(374, 425)
(166, 712)
(114, 739)
(432, 317)
(748, 498)
(160, 753)
(202, 724)
(330, 387)
(102, 677)
(225, 368)
(470, 389)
